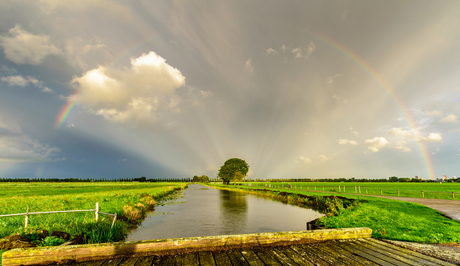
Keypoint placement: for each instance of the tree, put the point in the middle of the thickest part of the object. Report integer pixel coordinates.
(238, 176)
(393, 179)
(231, 166)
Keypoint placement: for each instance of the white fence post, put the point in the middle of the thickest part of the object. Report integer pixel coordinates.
(97, 211)
(26, 222)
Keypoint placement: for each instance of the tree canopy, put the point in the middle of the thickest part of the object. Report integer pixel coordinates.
(228, 171)
(202, 179)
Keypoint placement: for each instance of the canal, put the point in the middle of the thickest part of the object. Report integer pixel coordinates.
(205, 211)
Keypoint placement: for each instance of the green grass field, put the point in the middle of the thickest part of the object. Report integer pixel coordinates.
(389, 219)
(406, 189)
(129, 200)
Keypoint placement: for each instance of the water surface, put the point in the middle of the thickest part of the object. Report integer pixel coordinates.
(207, 211)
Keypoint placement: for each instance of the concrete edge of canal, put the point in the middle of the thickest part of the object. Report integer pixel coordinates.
(89, 252)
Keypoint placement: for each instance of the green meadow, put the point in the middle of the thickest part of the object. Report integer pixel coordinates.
(389, 219)
(406, 189)
(129, 200)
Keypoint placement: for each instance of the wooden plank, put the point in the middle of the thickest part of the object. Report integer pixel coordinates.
(266, 258)
(94, 263)
(365, 255)
(236, 258)
(349, 257)
(411, 260)
(191, 259)
(281, 257)
(251, 257)
(314, 255)
(295, 256)
(330, 258)
(409, 252)
(113, 262)
(386, 256)
(170, 260)
(206, 258)
(46, 255)
(179, 260)
(221, 258)
(145, 261)
(128, 262)
(307, 255)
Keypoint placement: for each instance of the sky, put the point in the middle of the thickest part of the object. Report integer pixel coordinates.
(172, 89)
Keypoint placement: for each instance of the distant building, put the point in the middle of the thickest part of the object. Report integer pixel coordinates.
(416, 177)
(454, 177)
(444, 177)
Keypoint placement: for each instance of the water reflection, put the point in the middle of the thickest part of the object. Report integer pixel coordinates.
(233, 211)
(208, 211)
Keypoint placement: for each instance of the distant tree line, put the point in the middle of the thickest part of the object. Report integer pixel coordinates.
(201, 179)
(57, 180)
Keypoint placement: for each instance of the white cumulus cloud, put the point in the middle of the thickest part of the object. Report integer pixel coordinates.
(300, 52)
(376, 143)
(248, 66)
(401, 145)
(324, 158)
(449, 119)
(305, 159)
(397, 131)
(271, 51)
(432, 137)
(130, 95)
(22, 47)
(434, 113)
(347, 142)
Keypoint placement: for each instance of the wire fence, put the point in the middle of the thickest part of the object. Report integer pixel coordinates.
(366, 190)
(95, 210)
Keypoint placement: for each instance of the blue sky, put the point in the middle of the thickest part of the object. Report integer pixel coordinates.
(172, 89)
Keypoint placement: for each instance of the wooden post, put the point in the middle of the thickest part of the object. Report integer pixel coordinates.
(356, 190)
(452, 192)
(114, 219)
(381, 192)
(339, 189)
(315, 187)
(366, 191)
(359, 189)
(344, 189)
(26, 222)
(453, 196)
(398, 192)
(423, 194)
(97, 211)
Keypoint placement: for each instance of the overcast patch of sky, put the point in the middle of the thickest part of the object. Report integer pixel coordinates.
(260, 82)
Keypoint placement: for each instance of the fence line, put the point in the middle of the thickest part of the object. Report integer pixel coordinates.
(96, 214)
(357, 190)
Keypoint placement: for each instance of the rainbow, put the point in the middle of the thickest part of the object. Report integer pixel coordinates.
(342, 49)
(69, 106)
(64, 114)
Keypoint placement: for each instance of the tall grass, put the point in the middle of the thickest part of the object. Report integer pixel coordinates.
(130, 201)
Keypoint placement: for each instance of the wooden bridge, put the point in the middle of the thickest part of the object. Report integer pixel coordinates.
(352, 246)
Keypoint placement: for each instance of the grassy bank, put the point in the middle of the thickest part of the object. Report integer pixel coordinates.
(405, 189)
(389, 219)
(130, 201)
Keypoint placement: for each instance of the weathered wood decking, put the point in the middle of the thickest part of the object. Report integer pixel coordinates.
(332, 252)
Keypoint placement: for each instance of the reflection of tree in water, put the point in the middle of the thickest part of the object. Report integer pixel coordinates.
(234, 208)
